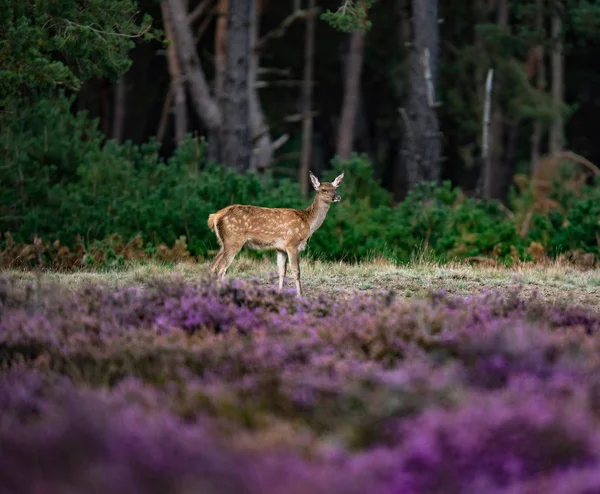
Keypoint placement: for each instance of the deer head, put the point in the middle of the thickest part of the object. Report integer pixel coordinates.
(327, 191)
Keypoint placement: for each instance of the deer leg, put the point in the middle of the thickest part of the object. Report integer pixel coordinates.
(229, 254)
(295, 266)
(215, 262)
(281, 266)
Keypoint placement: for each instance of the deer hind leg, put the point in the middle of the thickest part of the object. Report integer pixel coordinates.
(295, 267)
(230, 250)
(215, 262)
(281, 267)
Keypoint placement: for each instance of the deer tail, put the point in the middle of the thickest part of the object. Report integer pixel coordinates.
(212, 223)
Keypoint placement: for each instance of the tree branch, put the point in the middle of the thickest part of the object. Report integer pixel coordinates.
(164, 114)
(176, 76)
(206, 107)
(280, 30)
(195, 14)
(201, 29)
(281, 83)
(280, 141)
(274, 71)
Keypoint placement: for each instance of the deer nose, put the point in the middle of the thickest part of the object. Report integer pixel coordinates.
(336, 197)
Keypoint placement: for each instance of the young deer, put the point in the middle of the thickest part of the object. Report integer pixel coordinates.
(282, 229)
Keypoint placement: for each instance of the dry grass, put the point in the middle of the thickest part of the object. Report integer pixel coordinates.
(554, 282)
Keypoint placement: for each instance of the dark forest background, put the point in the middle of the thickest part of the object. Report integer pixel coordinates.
(141, 118)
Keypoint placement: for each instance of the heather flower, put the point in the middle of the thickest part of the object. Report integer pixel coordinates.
(568, 481)
(495, 440)
(481, 393)
(80, 444)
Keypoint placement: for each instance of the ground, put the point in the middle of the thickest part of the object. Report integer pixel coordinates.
(553, 283)
(321, 396)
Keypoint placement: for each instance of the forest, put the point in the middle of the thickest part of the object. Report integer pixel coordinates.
(127, 123)
(445, 336)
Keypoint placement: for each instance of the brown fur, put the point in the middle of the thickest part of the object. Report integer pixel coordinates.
(285, 230)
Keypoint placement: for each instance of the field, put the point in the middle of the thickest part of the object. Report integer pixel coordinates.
(383, 379)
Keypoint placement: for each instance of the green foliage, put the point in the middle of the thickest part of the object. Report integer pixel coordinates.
(60, 182)
(578, 228)
(584, 20)
(129, 190)
(510, 51)
(43, 144)
(45, 44)
(351, 16)
(438, 220)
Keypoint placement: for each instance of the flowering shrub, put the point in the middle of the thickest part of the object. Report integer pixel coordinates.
(175, 386)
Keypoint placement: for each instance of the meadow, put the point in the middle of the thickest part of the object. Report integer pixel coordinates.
(414, 378)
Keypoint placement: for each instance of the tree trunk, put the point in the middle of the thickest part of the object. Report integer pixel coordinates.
(262, 153)
(497, 172)
(540, 78)
(235, 132)
(104, 108)
(119, 110)
(206, 107)
(398, 172)
(221, 47)
(176, 78)
(421, 144)
(350, 103)
(362, 132)
(556, 132)
(307, 122)
(221, 34)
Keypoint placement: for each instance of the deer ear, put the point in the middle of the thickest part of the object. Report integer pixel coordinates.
(338, 180)
(314, 180)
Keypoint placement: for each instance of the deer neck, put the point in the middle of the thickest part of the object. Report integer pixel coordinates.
(317, 212)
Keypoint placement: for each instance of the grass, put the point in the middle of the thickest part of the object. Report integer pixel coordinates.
(554, 283)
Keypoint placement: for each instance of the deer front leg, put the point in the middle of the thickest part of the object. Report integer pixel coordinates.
(295, 266)
(281, 267)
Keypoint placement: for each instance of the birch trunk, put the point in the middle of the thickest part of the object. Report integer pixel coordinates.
(497, 171)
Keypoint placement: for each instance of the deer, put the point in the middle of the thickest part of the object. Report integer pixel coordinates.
(284, 230)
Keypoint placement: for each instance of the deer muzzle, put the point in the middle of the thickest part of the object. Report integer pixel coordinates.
(336, 197)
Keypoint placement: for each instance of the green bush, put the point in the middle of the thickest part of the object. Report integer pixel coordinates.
(58, 180)
(578, 228)
(43, 144)
(437, 220)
